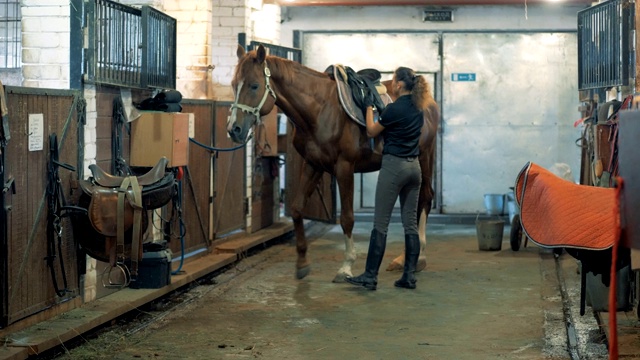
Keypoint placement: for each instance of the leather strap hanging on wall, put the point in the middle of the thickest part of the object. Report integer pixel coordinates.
(5, 134)
(57, 209)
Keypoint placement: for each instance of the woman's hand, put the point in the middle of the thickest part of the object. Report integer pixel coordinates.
(373, 128)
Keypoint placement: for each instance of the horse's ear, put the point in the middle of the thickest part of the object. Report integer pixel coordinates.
(262, 54)
(240, 52)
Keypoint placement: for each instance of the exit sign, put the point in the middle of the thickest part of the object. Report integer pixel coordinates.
(463, 77)
(437, 15)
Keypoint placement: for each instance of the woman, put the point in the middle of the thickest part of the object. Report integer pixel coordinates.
(400, 124)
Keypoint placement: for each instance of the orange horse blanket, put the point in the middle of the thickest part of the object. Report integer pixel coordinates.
(558, 213)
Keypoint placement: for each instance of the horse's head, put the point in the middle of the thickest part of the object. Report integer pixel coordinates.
(254, 96)
(389, 85)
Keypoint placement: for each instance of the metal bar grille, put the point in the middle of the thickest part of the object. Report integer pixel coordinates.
(279, 51)
(130, 47)
(160, 47)
(10, 34)
(603, 32)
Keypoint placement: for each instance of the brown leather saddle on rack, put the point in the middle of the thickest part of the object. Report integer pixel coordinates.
(116, 218)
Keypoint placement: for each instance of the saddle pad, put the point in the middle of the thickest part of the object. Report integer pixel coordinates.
(558, 213)
(346, 97)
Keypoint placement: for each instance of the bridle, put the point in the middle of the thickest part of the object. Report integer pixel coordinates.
(255, 111)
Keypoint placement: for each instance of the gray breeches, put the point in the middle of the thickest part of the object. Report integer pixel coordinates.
(398, 176)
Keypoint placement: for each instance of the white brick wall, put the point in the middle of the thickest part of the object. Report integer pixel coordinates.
(194, 46)
(207, 40)
(90, 148)
(229, 18)
(45, 43)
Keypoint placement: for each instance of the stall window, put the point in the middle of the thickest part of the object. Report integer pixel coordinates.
(10, 34)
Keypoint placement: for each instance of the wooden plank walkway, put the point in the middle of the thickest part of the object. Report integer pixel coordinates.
(628, 332)
(64, 327)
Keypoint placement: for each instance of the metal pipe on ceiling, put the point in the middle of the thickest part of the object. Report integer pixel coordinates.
(424, 2)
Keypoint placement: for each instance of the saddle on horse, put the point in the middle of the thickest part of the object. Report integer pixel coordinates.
(116, 215)
(354, 86)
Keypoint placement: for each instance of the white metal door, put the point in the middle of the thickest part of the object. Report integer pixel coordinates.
(507, 99)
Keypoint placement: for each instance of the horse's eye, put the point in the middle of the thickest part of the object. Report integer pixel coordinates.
(254, 87)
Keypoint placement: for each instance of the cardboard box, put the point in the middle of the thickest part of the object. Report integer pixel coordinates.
(156, 134)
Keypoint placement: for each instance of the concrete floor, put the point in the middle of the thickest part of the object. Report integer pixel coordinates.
(469, 304)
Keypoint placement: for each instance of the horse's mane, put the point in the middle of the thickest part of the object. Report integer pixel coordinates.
(287, 69)
(282, 68)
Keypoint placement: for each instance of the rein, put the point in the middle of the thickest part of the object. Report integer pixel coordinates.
(255, 111)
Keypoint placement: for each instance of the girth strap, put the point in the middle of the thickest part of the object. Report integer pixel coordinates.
(135, 199)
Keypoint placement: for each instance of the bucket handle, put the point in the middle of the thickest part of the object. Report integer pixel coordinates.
(478, 216)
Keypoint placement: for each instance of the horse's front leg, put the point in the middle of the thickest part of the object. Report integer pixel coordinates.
(344, 175)
(308, 181)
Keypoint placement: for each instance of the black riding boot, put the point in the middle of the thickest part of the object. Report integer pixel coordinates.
(411, 253)
(369, 279)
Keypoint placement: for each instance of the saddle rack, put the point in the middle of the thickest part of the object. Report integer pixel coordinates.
(116, 209)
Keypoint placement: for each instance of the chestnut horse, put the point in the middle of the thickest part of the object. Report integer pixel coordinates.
(326, 138)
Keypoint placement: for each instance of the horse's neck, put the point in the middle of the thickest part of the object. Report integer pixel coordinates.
(300, 93)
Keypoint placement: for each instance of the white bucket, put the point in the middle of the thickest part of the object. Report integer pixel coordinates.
(489, 233)
(494, 203)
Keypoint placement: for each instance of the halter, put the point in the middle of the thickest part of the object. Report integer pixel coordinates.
(255, 111)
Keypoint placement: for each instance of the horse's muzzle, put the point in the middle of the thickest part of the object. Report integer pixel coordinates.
(236, 134)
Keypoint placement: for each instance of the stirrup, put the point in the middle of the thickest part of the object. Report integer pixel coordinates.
(125, 273)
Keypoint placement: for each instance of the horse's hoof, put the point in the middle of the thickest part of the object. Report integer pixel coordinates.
(302, 272)
(395, 266)
(422, 264)
(340, 278)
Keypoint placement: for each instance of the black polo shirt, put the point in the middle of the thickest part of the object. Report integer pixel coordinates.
(402, 122)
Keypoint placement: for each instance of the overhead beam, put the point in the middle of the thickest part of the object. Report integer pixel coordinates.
(424, 2)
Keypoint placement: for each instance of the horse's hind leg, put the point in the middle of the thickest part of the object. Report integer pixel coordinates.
(344, 175)
(422, 235)
(308, 181)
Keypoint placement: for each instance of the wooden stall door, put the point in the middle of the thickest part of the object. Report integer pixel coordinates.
(265, 201)
(321, 206)
(264, 198)
(229, 199)
(27, 281)
(196, 183)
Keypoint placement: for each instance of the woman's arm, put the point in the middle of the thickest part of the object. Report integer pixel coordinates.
(373, 128)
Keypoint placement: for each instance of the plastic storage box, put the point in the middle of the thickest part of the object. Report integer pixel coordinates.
(154, 271)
